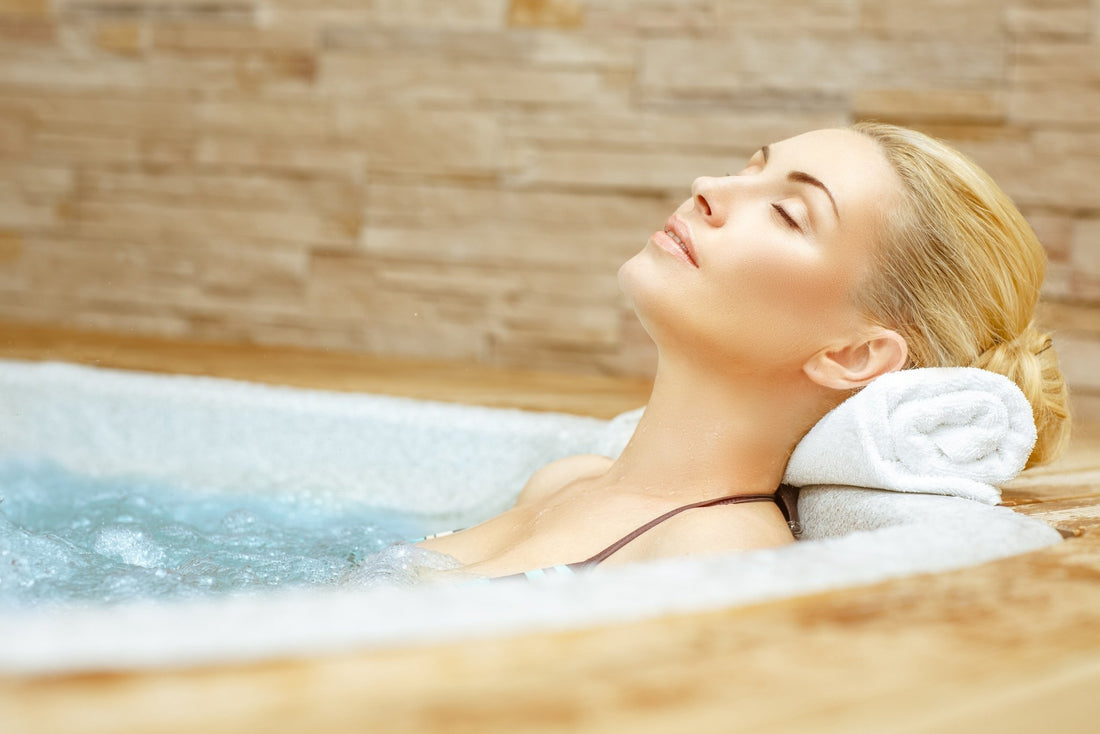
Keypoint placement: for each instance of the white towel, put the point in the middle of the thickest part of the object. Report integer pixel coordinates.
(955, 431)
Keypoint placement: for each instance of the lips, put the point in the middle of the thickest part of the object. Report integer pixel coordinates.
(680, 233)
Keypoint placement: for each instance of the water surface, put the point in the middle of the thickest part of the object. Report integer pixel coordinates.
(72, 539)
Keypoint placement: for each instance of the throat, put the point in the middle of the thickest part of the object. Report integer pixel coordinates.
(700, 444)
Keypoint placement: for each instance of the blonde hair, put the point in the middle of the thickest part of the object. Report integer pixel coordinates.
(958, 273)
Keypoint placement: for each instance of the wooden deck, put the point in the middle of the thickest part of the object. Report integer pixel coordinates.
(1010, 646)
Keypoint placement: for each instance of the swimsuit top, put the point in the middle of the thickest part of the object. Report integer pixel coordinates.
(785, 496)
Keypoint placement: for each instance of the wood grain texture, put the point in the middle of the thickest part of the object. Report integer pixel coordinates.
(1009, 646)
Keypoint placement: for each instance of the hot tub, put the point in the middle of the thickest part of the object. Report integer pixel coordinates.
(448, 465)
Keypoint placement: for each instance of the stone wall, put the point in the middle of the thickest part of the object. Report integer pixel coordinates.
(461, 178)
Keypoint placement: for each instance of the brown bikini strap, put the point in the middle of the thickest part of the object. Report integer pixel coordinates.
(786, 497)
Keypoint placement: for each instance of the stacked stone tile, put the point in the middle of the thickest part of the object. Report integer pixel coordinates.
(460, 179)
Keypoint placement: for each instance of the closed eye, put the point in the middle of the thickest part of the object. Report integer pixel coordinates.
(786, 217)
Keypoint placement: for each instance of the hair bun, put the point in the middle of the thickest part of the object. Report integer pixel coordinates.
(1030, 361)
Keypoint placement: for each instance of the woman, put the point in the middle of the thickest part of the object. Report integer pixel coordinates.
(834, 257)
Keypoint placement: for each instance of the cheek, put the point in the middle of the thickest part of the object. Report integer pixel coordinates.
(794, 294)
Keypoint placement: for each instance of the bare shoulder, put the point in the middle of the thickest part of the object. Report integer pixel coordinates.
(710, 530)
(557, 474)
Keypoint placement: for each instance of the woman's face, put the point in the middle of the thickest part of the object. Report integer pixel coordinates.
(758, 268)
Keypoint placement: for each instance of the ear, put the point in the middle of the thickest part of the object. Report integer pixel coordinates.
(855, 364)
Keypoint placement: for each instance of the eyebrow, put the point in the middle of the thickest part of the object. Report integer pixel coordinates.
(803, 177)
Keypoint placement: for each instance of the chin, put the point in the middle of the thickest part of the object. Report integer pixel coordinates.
(628, 277)
(648, 293)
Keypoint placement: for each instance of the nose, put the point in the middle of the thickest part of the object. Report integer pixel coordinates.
(710, 200)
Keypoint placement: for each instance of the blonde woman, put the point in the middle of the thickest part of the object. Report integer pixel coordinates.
(772, 295)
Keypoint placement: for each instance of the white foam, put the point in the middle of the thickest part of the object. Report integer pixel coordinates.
(455, 464)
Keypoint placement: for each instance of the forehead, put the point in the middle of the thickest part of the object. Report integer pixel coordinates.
(850, 164)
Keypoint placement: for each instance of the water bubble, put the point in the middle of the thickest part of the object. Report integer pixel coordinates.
(128, 546)
(239, 521)
(71, 537)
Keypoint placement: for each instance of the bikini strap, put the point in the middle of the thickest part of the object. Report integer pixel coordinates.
(787, 499)
(784, 497)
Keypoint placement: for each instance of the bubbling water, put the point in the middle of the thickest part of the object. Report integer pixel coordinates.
(70, 539)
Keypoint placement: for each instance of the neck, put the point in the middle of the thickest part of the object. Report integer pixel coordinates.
(707, 435)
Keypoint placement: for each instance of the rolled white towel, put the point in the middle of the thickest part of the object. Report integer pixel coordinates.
(947, 430)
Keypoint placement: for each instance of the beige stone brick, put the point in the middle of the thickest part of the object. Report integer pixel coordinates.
(594, 249)
(39, 71)
(932, 63)
(407, 81)
(1058, 283)
(1055, 231)
(635, 353)
(423, 141)
(38, 182)
(1085, 406)
(20, 211)
(1078, 356)
(794, 17)
(14, 133)
(931, 18)
(443, 206)
(423, 43)
(272, 279)
(1083, 287)
(1085, 248)
(320, 18)
(539, 320)
(231, 38)
(447, 279)
(563, 284)
(454, 14)
(11, 246)
(128, 39)
(1070, 317)
(23, 8)
(115, 271)
(1062, 144)
(1055, 63)
(730, 66)
(96, 147)
(189, 278)
(312, 122)
(75, 110)
(237, 153)
(1062, 21)
(228, 11)
(27, 307)
(226, 191)
(123, 218)
(1062, 104)
(549, 48)
(667, 16)
(27, 31)
(1036, 176)
(343, 289)
(582, 49)
(60, 148)
(630, 171)
(723, 132)
(341, 285)
(545, 13)
(920, 105)
(277, 72)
